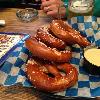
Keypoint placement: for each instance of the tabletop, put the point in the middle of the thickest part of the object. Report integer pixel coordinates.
(13, 24)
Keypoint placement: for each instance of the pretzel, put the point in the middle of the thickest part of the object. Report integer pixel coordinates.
(66, 33)
(55, 83)
(40, 50)
(43, 35)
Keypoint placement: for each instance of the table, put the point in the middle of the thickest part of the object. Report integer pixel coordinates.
(14, 25)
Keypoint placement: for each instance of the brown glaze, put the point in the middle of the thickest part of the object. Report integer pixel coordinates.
(44, 36)
(58, 82)
(40, 50)
(63, 31)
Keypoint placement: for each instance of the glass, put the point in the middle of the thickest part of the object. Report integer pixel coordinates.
(80, 7)
(27, 14)
(31, 12)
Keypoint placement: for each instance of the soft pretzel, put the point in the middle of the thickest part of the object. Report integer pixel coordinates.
(55, 83)
(63, 31)
(43, 35)
(40, 50)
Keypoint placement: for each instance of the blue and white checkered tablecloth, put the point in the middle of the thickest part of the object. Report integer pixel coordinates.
(13, 70)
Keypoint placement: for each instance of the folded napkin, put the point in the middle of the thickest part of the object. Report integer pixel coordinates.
(13, 70)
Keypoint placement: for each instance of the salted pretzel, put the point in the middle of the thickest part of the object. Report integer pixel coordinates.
(66, 33)
(55, 83)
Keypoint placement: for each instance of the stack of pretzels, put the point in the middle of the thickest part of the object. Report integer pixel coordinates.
(50, 70)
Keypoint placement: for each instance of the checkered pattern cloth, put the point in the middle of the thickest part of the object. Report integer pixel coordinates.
(13, 70)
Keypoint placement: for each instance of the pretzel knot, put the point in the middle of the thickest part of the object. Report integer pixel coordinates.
(52, 80)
